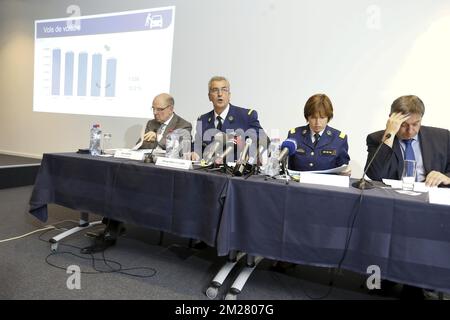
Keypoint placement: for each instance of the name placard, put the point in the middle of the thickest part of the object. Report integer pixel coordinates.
(129, 154)
(174, 163)
(439, 196)
(325, 179)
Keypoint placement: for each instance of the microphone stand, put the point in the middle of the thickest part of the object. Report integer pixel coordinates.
(363, 184)
(284, 170)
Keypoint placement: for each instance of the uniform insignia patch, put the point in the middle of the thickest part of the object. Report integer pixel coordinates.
(329, 132)
(292, 131)
(342, 135)
(230, 118)
(328, 152)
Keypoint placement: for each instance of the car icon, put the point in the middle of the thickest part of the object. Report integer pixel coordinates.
(156, 21)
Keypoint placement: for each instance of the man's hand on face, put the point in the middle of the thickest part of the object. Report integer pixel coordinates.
(394, 123)
(435, 178)
(150, 136)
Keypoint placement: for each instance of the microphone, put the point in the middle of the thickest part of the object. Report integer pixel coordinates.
(256, 158)
(362, 183)
(241, 163)
(231, 143)
(288, 148)
(214, 147)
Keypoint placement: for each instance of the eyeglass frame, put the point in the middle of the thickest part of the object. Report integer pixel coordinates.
(155, 110)
(217, 90)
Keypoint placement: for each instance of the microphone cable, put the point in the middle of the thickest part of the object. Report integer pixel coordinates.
(114, 266)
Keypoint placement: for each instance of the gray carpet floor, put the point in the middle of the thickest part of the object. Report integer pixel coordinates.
(29, 270)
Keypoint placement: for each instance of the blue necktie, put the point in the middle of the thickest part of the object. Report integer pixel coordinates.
(409, 154)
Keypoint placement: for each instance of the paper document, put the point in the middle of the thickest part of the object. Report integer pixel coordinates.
(397, 184)
(141, 141)
(340, 169)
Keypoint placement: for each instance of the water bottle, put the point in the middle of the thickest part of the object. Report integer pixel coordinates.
(173, 147)
(272, 167)
(95, 140)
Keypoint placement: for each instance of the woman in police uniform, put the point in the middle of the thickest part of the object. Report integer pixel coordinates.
(319, 146)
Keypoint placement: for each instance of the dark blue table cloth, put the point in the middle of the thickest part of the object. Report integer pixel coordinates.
(186, 203)
(408, 238)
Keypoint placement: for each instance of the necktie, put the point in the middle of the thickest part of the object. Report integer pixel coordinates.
(219, 123)
(316, 139)
(160, 131)
(409, 152)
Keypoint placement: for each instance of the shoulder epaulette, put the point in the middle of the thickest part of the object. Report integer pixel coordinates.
(292, 131)
(342, 135)
(250, 111)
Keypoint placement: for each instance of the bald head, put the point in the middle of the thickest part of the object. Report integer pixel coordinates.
(163, 107)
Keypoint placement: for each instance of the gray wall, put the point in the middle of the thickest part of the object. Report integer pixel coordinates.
(276, 53)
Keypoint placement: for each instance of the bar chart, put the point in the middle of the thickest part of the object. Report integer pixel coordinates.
(99, 85)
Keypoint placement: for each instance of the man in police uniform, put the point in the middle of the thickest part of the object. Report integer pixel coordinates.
(319, 147)
(225, 117)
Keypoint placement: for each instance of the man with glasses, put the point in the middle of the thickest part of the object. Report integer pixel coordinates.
(224, 116)
(165, 121)
(156, 131)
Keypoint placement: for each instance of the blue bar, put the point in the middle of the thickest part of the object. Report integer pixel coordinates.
(96, 77)
(144, 20)
(56, 71)
(68, 79)
(82, 74)
(111, 65)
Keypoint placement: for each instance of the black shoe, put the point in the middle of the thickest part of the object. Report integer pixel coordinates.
(282, 266)
(411, 293)
(199, 245)
(99, 246)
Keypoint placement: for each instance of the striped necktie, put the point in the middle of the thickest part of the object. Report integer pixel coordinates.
(316, 139)
(219, 123)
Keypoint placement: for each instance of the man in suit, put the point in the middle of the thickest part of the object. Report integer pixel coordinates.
(428, 146)
(165, 121)
(156, 131)
(224, 117)
(409, 140)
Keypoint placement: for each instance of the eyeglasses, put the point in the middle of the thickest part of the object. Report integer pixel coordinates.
(161, 109)
(217, 90)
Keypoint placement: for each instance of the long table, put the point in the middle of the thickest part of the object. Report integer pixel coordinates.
(185, 203)
(405, 236)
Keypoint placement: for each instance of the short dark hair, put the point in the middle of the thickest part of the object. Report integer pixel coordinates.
(321, 104)
(408, 104)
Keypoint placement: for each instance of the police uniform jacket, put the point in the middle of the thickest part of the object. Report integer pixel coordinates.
(330, 152)
(237, 118)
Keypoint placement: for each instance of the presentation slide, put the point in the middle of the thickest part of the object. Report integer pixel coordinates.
(108, 65)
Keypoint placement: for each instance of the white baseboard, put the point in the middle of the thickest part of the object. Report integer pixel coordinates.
(21, 154)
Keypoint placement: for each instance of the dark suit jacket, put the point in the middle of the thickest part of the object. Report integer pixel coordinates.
(237, 118)
(176, 123)
(435, 148)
